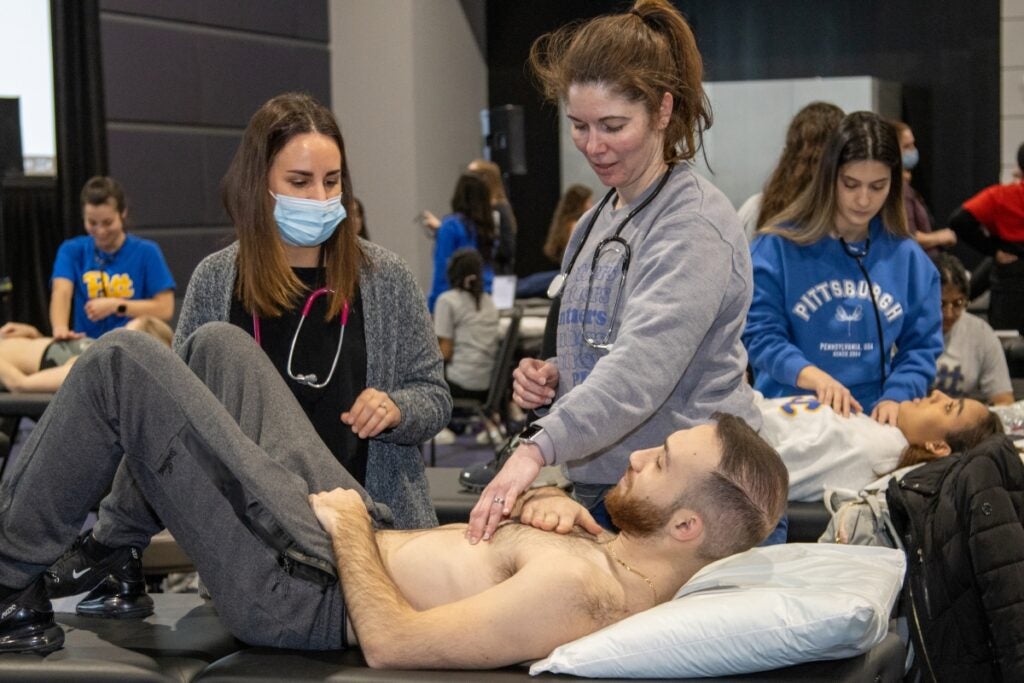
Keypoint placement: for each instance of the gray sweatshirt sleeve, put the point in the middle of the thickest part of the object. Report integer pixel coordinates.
(680, 284)
(208, 296)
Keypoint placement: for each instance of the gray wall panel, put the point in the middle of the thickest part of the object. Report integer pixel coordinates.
(162, 73)
(304, 19)
(171, 177)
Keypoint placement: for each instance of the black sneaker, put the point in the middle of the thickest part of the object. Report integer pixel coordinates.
(26, 622)
(116, 582)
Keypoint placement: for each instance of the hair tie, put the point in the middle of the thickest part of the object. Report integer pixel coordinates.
(637, 14)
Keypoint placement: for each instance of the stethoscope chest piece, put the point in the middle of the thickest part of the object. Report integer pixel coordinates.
(556, 286)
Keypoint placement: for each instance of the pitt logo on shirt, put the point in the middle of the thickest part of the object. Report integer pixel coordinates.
(98, 284)
(822, 293)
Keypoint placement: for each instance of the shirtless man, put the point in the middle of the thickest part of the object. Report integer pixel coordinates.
(32, 363)
(237, 481)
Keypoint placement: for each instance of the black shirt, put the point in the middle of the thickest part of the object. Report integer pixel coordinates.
(314, 352)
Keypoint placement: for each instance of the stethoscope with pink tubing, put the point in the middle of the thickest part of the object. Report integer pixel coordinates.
(309, 380)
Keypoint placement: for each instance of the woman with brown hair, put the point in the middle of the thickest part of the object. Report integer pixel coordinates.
(573, 203)
(805, 140)
(846, 305)
(342, 319)
(504, 218)
(656, 280)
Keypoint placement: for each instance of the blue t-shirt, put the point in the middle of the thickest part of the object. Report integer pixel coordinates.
(135, 271)
(455, 233)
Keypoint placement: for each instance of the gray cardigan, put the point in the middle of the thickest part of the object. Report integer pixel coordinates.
(402, 358)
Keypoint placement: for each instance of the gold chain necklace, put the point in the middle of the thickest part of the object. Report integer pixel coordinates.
(629, 569)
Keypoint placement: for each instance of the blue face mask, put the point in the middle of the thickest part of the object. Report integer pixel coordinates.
(307, 222)
(910, 159)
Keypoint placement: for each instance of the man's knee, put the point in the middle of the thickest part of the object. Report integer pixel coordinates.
(214, 339)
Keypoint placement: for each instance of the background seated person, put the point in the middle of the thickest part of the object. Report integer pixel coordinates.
(107, 277)
(973, 362)
(414, 598)
(30, 362)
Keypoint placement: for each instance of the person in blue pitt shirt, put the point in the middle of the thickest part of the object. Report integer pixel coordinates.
(107, 277)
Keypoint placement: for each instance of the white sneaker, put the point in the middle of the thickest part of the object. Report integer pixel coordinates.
(445, 437)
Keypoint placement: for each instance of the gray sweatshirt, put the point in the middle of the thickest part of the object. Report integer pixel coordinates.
(676, 355)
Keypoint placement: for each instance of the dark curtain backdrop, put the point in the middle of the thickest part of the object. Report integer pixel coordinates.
(39, 213)
(30, 243)
(78, 103)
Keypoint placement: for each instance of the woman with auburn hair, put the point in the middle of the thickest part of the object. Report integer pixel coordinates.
(656, 280)
(805, 140)
(341, 318)
(846, 305)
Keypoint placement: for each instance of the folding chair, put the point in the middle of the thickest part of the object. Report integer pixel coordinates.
(496, 402)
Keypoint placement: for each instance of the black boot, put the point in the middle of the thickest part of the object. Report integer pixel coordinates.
(26, 622)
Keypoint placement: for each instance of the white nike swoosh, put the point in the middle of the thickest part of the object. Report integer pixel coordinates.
(79, 574)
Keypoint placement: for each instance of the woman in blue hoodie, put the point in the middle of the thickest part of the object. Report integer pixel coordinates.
(846, 305)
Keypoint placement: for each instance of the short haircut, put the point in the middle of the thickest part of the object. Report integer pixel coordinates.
(100, 189)
(742, 500)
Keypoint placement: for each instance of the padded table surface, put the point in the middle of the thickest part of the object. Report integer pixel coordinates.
(184, 641)
(23, 405)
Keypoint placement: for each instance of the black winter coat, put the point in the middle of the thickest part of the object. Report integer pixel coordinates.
(961, 520)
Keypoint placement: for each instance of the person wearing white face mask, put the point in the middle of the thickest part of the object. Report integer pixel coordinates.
(919, 218)
(342, 319)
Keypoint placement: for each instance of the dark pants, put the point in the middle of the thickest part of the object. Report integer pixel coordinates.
(221, 452)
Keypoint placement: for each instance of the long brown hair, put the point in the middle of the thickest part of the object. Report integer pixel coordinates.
(266, 284)
(570, 207)
(861, 136)
(640, 55)
(806, 137)
(472, 199)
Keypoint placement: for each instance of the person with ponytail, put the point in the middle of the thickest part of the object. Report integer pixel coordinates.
(466, 324)
(655, 281)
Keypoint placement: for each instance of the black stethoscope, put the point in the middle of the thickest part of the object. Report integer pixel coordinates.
(309, 380)
(859, 255)
(556, 286)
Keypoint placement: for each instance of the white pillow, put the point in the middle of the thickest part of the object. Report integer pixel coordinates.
(760, 610)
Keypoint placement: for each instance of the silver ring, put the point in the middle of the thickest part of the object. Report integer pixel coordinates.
(498, 500)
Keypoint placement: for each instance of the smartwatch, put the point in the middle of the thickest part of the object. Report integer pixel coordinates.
(530, 434)
(122, 309)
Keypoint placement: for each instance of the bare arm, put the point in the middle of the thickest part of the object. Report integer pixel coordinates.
(1003, 399)
(160, 306)
(23, 330)
(943, 237)
(60, 309)
(447, 348)
(522, 618)
(44, 381)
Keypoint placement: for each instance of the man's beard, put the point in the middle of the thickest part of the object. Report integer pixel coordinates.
(634, 516)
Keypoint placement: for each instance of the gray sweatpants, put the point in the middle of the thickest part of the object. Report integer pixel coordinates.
(223, 454)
